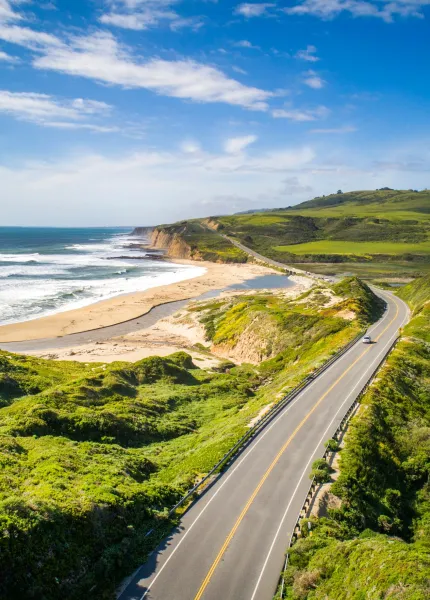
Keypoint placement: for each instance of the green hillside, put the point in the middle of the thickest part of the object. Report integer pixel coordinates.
(371, 233)
(417, 294)
(383, 202)
(93, 456)
(374, 542)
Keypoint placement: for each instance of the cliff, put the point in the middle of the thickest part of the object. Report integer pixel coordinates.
(212, 224)
(174, 245)
(195, 240)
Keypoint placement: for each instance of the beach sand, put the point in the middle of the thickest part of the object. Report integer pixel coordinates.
(181, 331)
(130, 306)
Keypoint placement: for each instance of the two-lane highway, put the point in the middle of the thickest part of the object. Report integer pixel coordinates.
(231, 543)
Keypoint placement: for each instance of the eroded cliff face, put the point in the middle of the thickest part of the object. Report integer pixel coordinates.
(212, 224)
(174, 245)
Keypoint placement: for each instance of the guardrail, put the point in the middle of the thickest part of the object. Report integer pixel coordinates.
(275, 263)
(314, 485)
(247, 437)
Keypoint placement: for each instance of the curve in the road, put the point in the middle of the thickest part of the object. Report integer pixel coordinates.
(231, 543)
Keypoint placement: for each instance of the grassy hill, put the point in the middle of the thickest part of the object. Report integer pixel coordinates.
(378, 202)
(93, 456)
(366, 233)
(375, 541)
(378, 231)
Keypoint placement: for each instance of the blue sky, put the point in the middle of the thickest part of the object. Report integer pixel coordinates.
(118, 112)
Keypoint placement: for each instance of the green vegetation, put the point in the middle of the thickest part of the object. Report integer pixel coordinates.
(321, 471)
(385, 226)
(367, 233)
(376, 544)
(356, 248)
(359, 299)
(396, 271)
(383, 203)
(19, 376)
(93, 456)
(416, 294)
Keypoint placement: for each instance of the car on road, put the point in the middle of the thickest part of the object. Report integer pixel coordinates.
(367, 339)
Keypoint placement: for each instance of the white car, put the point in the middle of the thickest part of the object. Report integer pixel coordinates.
(367, 339)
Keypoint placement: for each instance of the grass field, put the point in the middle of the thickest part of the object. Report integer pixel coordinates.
(368, 270)
(355, 248)
(397, 205)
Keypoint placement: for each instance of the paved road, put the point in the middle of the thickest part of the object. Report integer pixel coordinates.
(275, 263)
(231, 543)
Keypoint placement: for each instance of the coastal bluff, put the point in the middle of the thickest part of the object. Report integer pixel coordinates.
(173, 244)
(195, 239)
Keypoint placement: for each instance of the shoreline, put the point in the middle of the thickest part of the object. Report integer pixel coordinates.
(127, 307)
(166, 329)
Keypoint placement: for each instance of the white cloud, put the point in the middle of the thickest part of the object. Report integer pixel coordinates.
(29, 38)
(16, 34)
(309, 54)
(238, 70)
(87, 126)
(6, 11)
(246, 44)
(147, 14)
(49, 111)
(258, 9)
(158, 187)
(101, 58)
(190, 147)
(7, 58)
(153, 186)
(301, 115)
(345, 129)
(313, 80)
(238, 144)
(383, 9)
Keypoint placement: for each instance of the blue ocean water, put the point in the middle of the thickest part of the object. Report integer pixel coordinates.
(47, 270)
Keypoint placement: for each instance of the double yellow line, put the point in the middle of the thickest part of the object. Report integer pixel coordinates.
(272, 466)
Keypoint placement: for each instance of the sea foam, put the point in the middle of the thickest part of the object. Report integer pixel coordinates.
(56, 276)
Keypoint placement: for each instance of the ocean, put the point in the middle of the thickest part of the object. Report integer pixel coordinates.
(48, 270)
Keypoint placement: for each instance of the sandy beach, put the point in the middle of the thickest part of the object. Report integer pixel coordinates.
(180, 331)
(130, 306)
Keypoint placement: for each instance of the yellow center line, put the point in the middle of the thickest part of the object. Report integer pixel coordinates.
(272, 466)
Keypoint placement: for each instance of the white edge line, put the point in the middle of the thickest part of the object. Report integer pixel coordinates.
(258, 440)
(310, 460)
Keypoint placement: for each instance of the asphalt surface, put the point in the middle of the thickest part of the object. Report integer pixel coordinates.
(231, 543)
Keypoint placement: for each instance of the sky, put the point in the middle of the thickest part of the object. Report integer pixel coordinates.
(141, 112)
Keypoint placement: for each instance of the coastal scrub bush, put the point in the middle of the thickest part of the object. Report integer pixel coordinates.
(321, 471)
